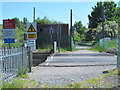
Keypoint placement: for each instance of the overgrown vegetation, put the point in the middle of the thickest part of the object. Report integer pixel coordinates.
(99, 48)
(21, 83)
(22, 71)
(111, 45)
(45, 48)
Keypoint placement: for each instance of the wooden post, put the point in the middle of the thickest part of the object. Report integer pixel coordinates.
(34, 15)
(30, 57)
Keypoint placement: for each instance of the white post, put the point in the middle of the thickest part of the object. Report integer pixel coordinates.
(55, 46)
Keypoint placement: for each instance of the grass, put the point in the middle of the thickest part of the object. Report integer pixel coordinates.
(21, 83)
(49, 47)
(64, 50)
(1, 26)
(17, 44)
(96, 82)
(87, 43)
(111, 44)
(67, 49)
(99, 48)
(44, 48)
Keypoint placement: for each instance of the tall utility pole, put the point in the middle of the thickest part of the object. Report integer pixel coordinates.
(34, 15)
(103, 19)
(71, 35)
(71, 22)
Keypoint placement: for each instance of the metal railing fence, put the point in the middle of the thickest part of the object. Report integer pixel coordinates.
(14, 59)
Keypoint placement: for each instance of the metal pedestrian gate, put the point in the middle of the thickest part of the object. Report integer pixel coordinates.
(12, 59)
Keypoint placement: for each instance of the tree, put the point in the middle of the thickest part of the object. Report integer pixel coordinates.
(25, 20)
(79, 27)
(107, 8)
(17, 22)
(45, 20)
(118, 18)
(96, 15)
(79, 31)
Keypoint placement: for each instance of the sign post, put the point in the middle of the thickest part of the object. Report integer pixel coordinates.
(31, 35)
(9, 31)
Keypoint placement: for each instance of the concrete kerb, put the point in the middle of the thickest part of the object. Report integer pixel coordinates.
(77, 65)
(48, 60)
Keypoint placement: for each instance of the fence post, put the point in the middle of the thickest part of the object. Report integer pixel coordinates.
(22, 57)
(1, 68)
(30, 59)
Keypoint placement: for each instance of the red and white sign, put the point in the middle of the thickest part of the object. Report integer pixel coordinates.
(9, 24)
(9, 29)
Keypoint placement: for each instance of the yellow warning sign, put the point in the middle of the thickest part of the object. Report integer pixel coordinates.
(31, 29)
(32, 36)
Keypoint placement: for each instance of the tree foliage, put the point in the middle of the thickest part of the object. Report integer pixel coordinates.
(45, 20)
(79, 31)
(106, 10)
(25, 20)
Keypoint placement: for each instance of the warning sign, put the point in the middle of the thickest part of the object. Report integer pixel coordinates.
(32, 36)
(31, 29)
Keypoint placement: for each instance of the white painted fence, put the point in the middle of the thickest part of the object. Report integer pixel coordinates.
(12, 59)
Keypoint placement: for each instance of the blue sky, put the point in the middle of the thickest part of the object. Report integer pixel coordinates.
(58, 11)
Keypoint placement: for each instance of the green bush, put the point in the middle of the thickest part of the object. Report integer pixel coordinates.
(99, 48)
(112, 44)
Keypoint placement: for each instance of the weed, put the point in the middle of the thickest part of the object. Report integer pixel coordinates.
(50, 86)
(10, 85)
(20, 83)
(43, 49)
(22, 70)
(74, 85)
(24, 76)
(64, 50)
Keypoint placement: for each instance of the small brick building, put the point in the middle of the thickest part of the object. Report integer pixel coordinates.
(48, 33)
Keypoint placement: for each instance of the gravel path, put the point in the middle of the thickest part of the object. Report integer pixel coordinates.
(62, 76)
(65, 75)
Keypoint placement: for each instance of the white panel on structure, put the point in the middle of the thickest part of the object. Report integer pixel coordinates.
(9, 33)
(32, 44)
